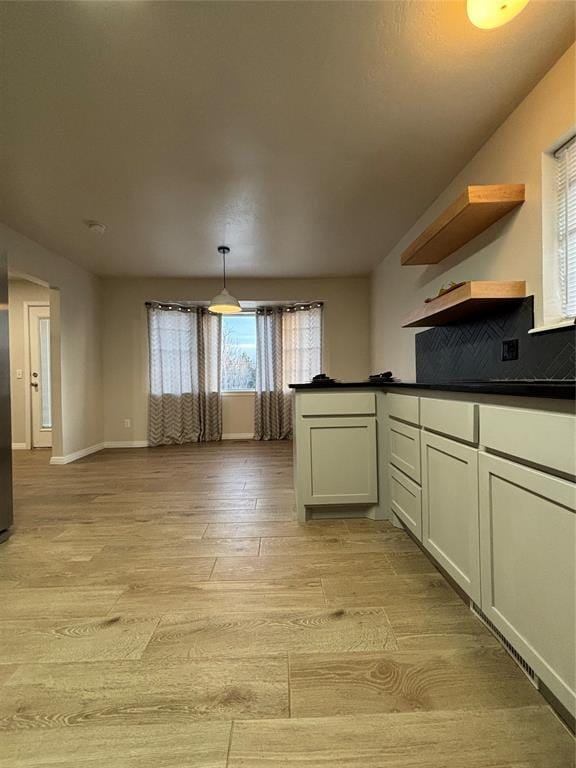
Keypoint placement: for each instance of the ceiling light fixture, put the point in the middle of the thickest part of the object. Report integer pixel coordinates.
(488, 14)
(224, 303)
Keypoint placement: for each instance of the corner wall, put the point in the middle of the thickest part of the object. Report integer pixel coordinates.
(510, 249)
(80, 340)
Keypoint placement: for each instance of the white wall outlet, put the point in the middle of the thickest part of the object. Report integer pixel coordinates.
(19, 373)
(127, 423)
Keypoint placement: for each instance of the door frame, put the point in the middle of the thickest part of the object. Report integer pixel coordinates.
(27, 369)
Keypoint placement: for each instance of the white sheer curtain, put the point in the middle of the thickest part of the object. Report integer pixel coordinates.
(301, 344)
(185, 403)
(288, 351)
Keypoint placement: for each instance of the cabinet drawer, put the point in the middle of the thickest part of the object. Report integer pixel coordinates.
(405, 448)
(547, 439)
(406, 501)
(338, 404)
(450, 417)
(404, 407)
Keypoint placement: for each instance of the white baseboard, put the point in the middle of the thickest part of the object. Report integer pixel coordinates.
(126, 444)
(70, 457)
(19, 447)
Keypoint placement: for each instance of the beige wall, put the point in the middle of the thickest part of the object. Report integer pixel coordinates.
(77, 305)
(510, 250)
(237, 414)
(20, 291)
(346, 334)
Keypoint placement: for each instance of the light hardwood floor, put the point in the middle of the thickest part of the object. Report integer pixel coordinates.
(163, 609)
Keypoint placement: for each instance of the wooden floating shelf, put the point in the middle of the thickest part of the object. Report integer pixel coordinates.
(474, 211)
(472, 298)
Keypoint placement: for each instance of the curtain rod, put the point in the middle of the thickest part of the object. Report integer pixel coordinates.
(177, 306)
(290, 307)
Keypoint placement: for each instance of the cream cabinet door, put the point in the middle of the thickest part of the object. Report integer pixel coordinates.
(339, 458)
(450, 525)
(528, 542)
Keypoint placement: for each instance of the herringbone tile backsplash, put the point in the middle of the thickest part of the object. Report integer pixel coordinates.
(473, 350)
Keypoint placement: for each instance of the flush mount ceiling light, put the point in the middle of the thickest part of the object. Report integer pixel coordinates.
(224, 303)
(488, 14)
(95, 226)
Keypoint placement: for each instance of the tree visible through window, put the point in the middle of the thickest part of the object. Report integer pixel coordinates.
(238, 352)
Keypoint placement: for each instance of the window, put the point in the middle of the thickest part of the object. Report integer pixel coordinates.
(238, 371)
(566, 227)
(45, 383)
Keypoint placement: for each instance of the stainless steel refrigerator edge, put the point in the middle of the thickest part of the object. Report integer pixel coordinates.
(5, 418)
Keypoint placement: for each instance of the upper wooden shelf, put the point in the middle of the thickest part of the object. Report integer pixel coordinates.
(474, 211)
(468, 300)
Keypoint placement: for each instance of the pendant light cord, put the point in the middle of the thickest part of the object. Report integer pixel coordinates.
(223, 249)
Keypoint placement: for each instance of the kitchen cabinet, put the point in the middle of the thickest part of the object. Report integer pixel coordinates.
(528, 536)
(450, 525)
(336, 453)
(481, 485)
(339, 460)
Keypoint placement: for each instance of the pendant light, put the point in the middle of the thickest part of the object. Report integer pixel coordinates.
(488, 14)
(224, 303)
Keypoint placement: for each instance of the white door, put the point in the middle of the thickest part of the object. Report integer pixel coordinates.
(41, 403)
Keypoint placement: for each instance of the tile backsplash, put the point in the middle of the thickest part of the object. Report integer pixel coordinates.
(473, 350)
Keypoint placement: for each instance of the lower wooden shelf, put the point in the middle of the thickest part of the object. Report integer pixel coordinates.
(471, 299)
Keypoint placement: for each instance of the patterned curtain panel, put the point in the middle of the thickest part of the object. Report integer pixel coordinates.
(288, 351)
(185, 404)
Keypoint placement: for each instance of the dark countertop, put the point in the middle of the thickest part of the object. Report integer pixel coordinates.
(561, 390)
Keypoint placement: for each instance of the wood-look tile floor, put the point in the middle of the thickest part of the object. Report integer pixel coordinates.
(163, 609)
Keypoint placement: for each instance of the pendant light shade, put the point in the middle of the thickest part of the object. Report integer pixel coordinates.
(224, 303)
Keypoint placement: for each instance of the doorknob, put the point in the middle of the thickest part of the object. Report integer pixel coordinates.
(34, 384)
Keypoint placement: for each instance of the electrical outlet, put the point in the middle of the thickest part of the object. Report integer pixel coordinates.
(510, 350)
(127, 423)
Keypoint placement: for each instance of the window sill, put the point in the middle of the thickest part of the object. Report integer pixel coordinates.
(552, 326)
(243, 392)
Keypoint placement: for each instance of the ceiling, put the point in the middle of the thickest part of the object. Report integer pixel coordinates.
(308, 136)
